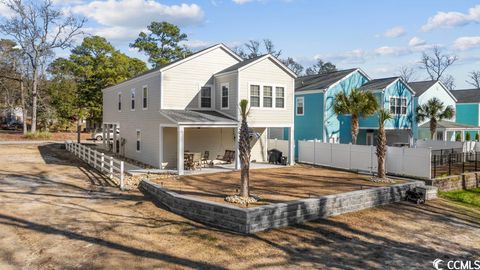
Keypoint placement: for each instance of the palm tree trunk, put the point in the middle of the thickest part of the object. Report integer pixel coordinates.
(33, 128)
(433, 127)
(244, 148)
(354, 128)
(381, 151)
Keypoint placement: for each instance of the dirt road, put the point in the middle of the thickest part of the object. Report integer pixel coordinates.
(57, 214)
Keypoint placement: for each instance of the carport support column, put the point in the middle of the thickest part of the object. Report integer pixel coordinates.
(114, 127)
(104, 135)
(108, 137)
(180, 149)
(238, 166)
(291, 146)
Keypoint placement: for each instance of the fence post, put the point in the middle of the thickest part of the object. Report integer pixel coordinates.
(449, 164)
(102, 162)
(463, 162)
(94, 159)
(434, 166)
(111, 168)
(122, 184)
(476, 160)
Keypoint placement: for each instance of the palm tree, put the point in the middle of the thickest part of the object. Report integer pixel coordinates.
(357, 104)
(383, 115)
(244, 148)
(435, 111)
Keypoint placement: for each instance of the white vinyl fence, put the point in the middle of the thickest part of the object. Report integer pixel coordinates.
(98, 160)
(447, 145)
(399, 160)
(281, 145)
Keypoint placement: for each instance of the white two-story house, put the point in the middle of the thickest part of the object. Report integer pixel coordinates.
(192, 105)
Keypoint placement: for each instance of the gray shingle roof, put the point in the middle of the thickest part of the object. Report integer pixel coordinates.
(467, 95)
(241, 64)
(421, 86)
(200, 117)
(447, 124)
(378, 84)
(320, 81)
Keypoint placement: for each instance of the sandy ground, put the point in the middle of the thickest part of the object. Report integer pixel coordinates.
(56, 214)
(271, 185)
(8, 135)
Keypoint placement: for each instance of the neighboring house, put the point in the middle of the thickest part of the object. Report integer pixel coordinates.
(395, 95)
(11, 115)
(314, 95)
(468, 110)
(192, 105)
(424, 91)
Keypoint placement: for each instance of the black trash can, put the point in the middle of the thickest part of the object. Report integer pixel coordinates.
(275, 156)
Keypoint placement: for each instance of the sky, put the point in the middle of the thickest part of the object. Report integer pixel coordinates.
(377, 36)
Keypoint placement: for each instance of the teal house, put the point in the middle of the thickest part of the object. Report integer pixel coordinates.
(314, 95)
(468, 111)
(396, 96)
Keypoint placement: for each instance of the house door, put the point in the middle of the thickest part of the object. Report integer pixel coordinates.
(369, 138)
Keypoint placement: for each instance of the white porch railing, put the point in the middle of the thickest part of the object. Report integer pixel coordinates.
(107, 165)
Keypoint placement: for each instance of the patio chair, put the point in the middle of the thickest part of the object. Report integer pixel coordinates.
(188, 161)
(228, 157)
(205, 157)
(197, 160)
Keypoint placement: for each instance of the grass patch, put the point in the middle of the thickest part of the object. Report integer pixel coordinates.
(44, 135)
(469, 196)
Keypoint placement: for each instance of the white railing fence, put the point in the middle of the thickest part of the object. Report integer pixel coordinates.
(281, 145)
(107, 165)
(399, 160)
(465, 147)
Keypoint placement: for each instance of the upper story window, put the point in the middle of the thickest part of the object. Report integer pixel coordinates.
(398, 105)
(119, 101)
(254, 95)
(132, 106)
(145, 97)
(225, 95)
(300, 105)
(267, 97)
(280, 97)
(206, 97)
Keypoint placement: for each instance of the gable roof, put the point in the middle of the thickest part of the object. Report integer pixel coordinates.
(179, 61)
(421, 87)
(197, 117)
(467, 95)
(322, 81)
(378, 84)
(447, 124)
(248, 62)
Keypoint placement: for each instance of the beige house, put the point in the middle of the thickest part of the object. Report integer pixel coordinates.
(192, 105)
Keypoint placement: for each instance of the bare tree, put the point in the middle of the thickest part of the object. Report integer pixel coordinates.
(321, 67)
(253, 48)
(293, 65)
(448, 81)
(39, 28)
(270, 48)
(437, 62)
(474, 77)
(407, 73)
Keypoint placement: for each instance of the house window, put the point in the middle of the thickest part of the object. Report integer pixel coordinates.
(267, 97)
(300, 105)
(133, 100)
(206, 97)
(398, 105)
(254, 95)
(138, 140)
(225, 95)
(119, 101)
(280, 97)
(145, 97)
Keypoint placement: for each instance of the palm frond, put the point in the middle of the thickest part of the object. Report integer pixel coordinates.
(244, 110)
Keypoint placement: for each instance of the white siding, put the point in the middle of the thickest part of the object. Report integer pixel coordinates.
(181, 84)
(259, 147)
(232, 80)
(267, 72)
(439, 92)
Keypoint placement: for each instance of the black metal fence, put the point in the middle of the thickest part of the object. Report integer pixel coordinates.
(454, 163)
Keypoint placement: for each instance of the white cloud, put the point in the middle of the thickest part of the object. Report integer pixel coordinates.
(395, 32)
(356, 56)
(5, 11)
(465, 43)
(196, 44)
(452, 19)
(115, 33)
(241, 2)
(139, 13)
(415, 42)
(388, 51)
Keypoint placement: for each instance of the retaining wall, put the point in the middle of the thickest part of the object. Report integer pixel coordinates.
(252, 220)
(456, 182)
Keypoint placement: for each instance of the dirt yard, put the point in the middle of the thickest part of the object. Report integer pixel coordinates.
(8, 135)
(57, 214)
(271, 185)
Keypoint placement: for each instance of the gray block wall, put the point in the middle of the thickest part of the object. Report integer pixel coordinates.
(256, 219)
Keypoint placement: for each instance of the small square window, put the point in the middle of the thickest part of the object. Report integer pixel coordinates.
(254, 95)
(225, 96)
(280, 97)
(206, 97)
(267, 97)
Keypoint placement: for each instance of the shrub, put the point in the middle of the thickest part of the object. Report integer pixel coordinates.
(477, 137)
(458, 137)
(44, 135)
(468, 137)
